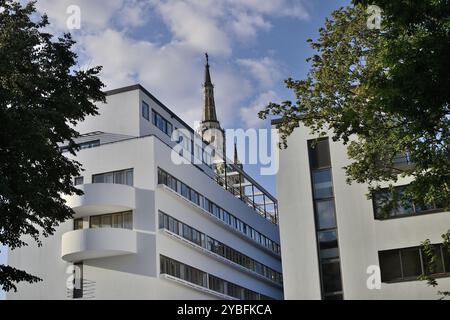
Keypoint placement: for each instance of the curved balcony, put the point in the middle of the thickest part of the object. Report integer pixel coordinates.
(100, 198)
(86, 244)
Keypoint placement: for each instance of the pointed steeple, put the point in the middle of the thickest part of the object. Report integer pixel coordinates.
(209, 106)
(236, 160)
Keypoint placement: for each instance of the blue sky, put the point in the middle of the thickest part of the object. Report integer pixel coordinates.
(253, 45)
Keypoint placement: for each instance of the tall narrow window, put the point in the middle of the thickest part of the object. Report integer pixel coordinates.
(145, 111)
(325, 218)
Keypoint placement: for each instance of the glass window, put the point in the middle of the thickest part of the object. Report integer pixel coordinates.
(77, 224)
(78, 181)
(328, 244)
(95, 222)
(319, 154)
(128, 220)
(323, 187)
(325, 214)
(145, 111)
(390, 265)
(106, 221)
(117, 220)
(412, 266)
(98, 178)
(331, 277)
(129, 177)
(109, 177)
(438, 265)
(119, 177)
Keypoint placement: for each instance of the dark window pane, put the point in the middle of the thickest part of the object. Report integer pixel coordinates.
(79, 180)
(328, 244)
(117, 221)
(438, 266)
(390, 265)
(331, 277)
(106, 221)
(325, 214)
(411, 262)
(322, 184)
(77, 224)
(446, 255)
(95, 222)
(319, 154)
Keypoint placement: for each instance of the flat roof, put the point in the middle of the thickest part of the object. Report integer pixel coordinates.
(138, 86)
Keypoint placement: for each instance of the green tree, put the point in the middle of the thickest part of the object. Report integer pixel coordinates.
(382, 92)
(41, 97)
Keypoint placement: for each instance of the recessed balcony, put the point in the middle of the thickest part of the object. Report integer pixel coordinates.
(100, 198)
(92, 243)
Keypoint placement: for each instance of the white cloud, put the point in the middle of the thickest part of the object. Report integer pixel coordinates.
(265, 70)
(192, 23)
(173, 69)
(250, 114)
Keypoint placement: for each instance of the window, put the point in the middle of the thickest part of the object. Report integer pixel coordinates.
(410, 263)
(78, 181)
(77, 224)
(95, 222)
(384, 207)
(325, 214)
(116, 177)
(325, 219)
(145, 111)
(199, 238)
(331, 274)
(89, 144)
(390, 265)
(319, 154)
(161, 123)
(198, 199)
(115, 220)
(322, 184)
(106, 221)
(328, 244)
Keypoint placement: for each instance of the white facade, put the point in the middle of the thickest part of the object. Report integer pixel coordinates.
(360, 236)
(125, 262)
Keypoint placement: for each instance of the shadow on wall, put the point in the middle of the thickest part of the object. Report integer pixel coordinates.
(3, 260)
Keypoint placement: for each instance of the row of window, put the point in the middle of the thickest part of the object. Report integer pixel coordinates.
(199, 238)
(161, 123)
(186, 143)
(385, 207)
(193, 196)
(185, 272)
(117, 177)
(325, 218)
(123, 220)
(410, 263)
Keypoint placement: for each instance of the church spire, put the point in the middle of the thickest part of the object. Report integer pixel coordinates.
(209, 107)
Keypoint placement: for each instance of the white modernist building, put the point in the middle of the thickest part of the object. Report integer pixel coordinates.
(150, 228)
(334, 238)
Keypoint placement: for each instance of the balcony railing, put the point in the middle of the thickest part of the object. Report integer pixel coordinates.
(233, 179)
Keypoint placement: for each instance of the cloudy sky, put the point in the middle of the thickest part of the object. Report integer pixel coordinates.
(253, 45)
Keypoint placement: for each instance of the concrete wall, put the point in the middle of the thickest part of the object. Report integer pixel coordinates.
(360, 235)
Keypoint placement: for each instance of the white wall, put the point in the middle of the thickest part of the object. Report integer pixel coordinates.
(360, 235)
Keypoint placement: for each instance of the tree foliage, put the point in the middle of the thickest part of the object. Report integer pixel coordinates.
(41, 97)
(383, 93)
